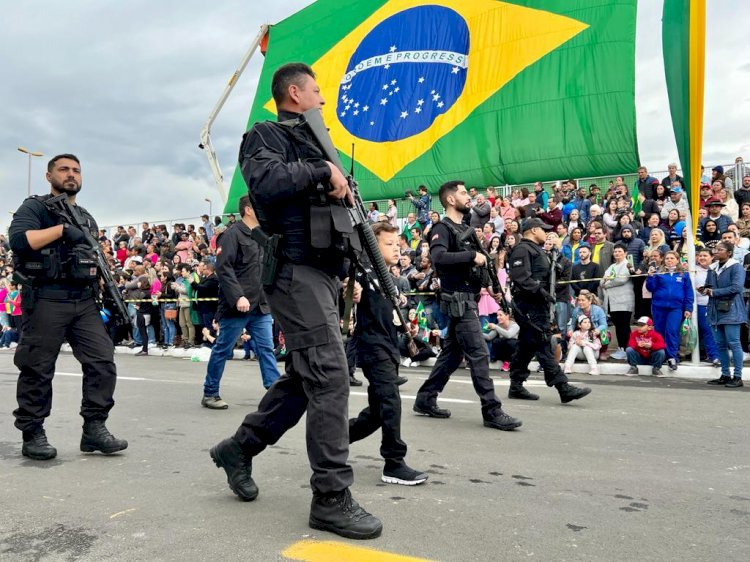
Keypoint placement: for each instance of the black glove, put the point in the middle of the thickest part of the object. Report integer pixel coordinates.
(549, 298)
(73, 234)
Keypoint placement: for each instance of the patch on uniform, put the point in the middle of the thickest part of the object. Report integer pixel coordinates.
(435, 237)
(517, 263)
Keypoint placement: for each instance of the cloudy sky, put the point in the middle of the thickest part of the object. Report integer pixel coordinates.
(127, 86)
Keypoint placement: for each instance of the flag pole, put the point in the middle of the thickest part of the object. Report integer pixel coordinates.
(684, 47)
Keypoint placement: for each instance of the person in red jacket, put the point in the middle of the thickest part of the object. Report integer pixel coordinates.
(646, 347)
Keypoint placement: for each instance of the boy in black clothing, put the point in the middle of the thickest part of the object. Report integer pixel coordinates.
(376, 340)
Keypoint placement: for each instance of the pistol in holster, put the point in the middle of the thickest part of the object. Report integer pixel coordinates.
(271, 246)
(456, 304)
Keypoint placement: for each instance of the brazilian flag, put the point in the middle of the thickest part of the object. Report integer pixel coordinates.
(485, 91)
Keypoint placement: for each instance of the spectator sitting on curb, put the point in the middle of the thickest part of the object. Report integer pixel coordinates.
(646, 347)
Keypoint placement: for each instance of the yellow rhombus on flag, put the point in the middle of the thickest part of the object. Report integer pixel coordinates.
(504, 39)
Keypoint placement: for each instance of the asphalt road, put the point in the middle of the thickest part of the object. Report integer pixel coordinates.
(642, 469)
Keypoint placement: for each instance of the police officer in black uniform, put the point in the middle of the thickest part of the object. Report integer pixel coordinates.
(529, 269)
(297, 196)
(58, 303)
(459, 293)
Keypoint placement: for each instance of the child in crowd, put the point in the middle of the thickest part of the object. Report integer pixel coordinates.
(583, 343)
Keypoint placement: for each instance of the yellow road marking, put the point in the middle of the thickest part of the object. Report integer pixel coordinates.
(330, 551)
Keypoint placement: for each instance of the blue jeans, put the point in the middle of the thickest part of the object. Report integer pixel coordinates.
(656, 360)
(167, 326)
(706, 333)
(728, 339)
(259, 326)
(134, 327)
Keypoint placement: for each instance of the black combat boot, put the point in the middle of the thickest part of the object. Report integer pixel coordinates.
(430, 409)
(519, 392)
(500, 420)
(568, 392)
(736, 382)
(339, 513)
(720, 381)
(35, 446)
(239, 468)
(96, 437)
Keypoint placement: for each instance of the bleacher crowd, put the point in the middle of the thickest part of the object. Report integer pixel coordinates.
(621, 259)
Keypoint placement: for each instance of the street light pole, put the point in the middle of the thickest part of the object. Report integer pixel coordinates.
(210, 208)
(30, 154)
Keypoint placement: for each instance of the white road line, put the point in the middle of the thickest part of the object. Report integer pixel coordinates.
(122, 378)
(501, 382)
(410, 397)
(407, 396)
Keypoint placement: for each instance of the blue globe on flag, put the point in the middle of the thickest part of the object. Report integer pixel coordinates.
(410, 69)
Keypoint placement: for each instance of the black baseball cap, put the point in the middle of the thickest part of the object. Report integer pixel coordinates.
(528, 224)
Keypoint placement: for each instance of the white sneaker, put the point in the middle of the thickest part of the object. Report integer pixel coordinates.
(619, 354)
(594, 371)
(406, 362)
(415, 363)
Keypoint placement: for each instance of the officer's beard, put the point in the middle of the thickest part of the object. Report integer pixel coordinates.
(462, 208)
(69, 187)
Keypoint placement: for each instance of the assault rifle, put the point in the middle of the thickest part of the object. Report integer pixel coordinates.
(60, 206)
(313, 118)
(553, 285)
(488, 271)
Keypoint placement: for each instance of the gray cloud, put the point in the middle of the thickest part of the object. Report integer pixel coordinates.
(128, 85)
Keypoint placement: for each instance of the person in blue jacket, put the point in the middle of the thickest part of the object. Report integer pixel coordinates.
(672, 301)
(727, 312)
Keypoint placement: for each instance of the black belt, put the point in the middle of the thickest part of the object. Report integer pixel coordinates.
(60, 294)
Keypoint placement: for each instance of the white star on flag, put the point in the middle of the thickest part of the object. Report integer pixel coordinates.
(372, 123)
(455, 70)
(356, 112)
(385, 86)
(421, 79)
(420, 102)
(432, 91)
(343, 114)
(365, 108)
(436, 97)
(396, 89)
(387, 66)
(393, 82)
(356, 104)
(441, 104)
(404, 114)
(384, 101)
(393, 48)
(418, 110)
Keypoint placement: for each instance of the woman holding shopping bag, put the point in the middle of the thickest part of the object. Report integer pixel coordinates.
(672, 301)
(726, 310)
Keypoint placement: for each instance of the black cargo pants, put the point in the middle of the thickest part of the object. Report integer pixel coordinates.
(304, 303)
(463, 338)
(43, 331)
(534, 338)
(383, 410)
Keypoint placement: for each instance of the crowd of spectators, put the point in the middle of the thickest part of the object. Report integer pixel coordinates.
(621, 256)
